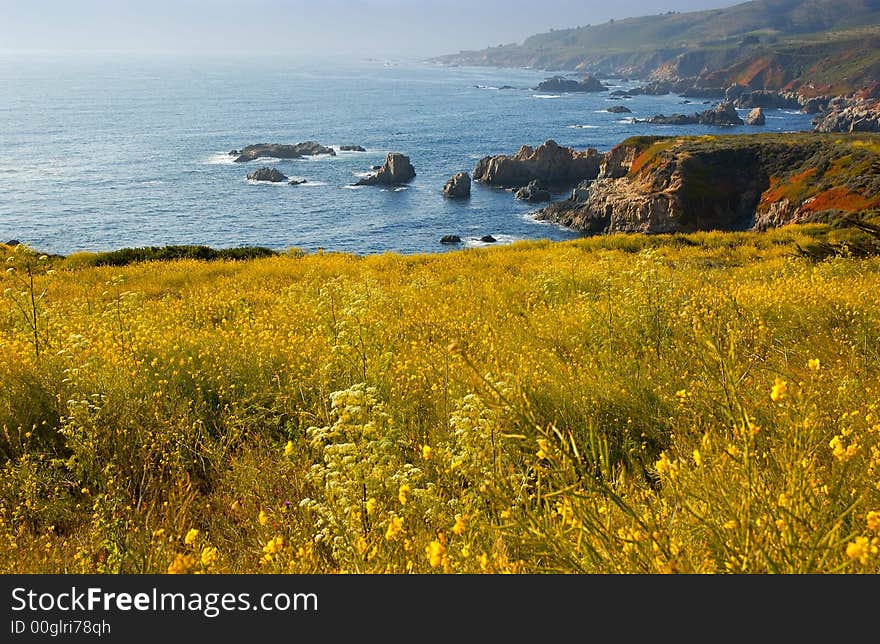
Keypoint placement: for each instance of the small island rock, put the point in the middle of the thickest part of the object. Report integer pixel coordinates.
(458, 187)
(560, 84)
(396, 170)
(756, 117)
(279, 151)
(270, 175)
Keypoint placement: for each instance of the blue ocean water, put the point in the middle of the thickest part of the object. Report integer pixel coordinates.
(105, 152)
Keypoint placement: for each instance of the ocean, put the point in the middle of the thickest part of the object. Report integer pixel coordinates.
(105, 152)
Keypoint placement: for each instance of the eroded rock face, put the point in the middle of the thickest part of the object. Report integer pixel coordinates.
(674, 197)
(756, 117)
(724, 115)
(769, 100)
(671, 184)
(549, 163)
(270, 175)
(854, 113)
(559, 84)
(279, 151)
(535, 192)
(396, 170)
(458, 187)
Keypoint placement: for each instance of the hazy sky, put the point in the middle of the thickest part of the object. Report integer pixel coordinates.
(401, 28)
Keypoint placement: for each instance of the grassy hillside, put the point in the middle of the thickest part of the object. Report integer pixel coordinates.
(702, 403)
(814, 41)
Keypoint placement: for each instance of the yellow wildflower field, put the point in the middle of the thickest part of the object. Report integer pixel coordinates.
(705, 403)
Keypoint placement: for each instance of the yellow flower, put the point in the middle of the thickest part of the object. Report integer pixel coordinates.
(395, 527)
(840, 451)
(814, 364)
(873, 519)
(665, 466)
(543, 448)
(371, 505)
(698, 458)
(779, 389)
(459, 526)
(402, 492)
(859, 550)
(288, 449)
(191, 536)
(181, 565)
(263, 518)
(730, 525)
(435, 551)
(209, 556)
(274, 545)
(426, 452)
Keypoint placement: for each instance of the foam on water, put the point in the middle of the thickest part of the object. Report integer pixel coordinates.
(546, 96)
(220, 158)
(500, 240)
(276, 184)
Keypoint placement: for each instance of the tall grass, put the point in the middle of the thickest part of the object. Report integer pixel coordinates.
(702, 403)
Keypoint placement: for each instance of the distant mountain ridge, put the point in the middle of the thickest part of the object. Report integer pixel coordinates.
(825, 45)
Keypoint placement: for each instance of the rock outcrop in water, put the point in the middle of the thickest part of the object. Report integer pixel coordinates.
(352, 148)
(396, 170)
(724, 115)
(549, 163)
(667, 184)
(560, 84)
(619, 109)
(535, 192)
(270, 175)
(756, 117)
(279, 151)
(458, 187)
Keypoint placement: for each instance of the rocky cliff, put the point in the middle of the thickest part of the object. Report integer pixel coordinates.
(550, 164)
(668, 184)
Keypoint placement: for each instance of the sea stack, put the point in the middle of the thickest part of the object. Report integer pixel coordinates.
(396, 170)
(458, 187)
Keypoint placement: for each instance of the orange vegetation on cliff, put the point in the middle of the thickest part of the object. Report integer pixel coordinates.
(840, 198)
(790, 188)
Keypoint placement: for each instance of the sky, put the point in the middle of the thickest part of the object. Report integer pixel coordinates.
(387, 28)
